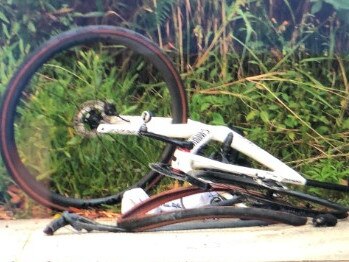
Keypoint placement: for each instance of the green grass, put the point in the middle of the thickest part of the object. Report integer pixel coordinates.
(78, 166)
(290, 113)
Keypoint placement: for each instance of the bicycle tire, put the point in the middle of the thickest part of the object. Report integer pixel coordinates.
(149, 222)
(20, 92)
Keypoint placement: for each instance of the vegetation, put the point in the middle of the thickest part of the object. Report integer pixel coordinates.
(74, 160)
(276, 69)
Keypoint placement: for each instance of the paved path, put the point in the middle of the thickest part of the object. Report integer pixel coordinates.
(23, 240)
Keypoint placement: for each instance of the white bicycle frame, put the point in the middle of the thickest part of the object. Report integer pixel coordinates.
(200, 134)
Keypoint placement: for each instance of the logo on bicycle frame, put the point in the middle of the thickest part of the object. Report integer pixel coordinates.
(202, 135)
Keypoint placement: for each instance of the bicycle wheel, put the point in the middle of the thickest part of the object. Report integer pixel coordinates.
(55, 100)
(148, 222)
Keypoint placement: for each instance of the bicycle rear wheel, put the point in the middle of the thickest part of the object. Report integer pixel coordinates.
(53, 102)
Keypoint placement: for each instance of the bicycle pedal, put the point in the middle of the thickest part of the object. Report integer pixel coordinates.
(167, 170)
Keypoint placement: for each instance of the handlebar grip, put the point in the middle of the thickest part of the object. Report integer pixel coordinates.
(55, 225)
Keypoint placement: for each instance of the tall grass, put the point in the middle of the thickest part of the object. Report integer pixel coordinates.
(277, 74)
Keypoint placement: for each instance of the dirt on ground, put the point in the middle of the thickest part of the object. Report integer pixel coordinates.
(20, 206)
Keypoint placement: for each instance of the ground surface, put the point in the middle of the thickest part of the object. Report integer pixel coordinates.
(23, 240)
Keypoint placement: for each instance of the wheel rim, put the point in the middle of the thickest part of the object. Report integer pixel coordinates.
(44, 114)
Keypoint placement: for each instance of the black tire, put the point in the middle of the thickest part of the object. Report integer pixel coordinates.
(41, 91)
(149, 222)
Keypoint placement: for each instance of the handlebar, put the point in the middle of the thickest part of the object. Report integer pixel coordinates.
(56, 224)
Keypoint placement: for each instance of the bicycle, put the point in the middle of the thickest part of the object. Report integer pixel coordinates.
(86, 129)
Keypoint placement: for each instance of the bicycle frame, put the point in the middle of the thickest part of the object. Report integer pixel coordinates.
(200, 134)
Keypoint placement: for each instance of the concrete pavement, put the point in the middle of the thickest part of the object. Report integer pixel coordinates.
(23, 240)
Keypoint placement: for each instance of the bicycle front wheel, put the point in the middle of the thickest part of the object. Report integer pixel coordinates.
(53, 102)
